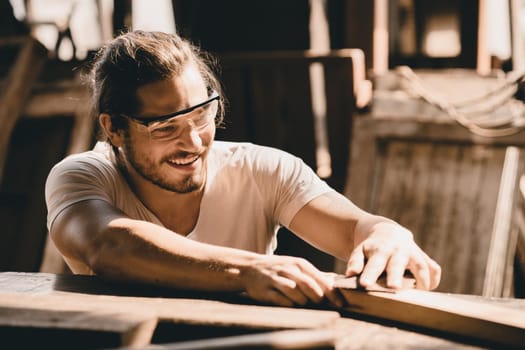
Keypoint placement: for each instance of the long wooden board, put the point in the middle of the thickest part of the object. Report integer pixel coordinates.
(452, 314)
(94, 307)
(28, 327)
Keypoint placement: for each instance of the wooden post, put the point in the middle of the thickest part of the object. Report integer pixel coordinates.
(517, 35)
(19, 83)
(380, 51)
(483, 61)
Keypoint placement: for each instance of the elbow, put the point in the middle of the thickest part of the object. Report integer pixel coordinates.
(103, 253)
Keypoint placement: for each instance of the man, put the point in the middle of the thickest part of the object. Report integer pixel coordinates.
(160, 202)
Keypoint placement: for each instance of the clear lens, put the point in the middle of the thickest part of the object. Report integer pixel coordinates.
(198, 119)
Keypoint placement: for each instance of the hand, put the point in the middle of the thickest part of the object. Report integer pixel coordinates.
(288, 281)
(391, 248)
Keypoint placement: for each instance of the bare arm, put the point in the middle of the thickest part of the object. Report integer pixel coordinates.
(371, 244)
(114, 246)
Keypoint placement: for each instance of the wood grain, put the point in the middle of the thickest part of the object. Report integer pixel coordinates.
(441, 312)
(91, 329)
(97, 309)
(442, 183)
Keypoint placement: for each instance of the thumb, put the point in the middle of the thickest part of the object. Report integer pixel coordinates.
(356, 262)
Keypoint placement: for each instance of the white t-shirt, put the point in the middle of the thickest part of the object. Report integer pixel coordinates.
(250, 192)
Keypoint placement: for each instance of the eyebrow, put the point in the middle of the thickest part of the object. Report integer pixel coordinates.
(146, 121)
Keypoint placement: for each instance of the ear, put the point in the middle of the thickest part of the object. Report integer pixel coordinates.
(115, 137)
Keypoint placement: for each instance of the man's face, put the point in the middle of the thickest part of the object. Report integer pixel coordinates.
(176, 163)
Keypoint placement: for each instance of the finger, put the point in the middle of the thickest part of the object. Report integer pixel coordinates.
(333, 295)
(396, 269)
(435, 273)
(326, 282)
(419, 267)
(277, 298)
(374, 267)
(320, 283)
(356, 262)
(306, 283)
(290, 289)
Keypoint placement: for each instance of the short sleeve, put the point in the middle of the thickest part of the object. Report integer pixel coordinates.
(288, 182)
(78, 178)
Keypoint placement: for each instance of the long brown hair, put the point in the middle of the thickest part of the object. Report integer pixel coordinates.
(136, 58)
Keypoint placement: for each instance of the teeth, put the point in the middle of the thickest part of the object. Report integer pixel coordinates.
(185, 161)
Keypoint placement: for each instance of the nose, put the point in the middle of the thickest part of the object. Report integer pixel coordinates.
(190, 137)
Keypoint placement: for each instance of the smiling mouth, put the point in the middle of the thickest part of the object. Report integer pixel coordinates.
(186, 161)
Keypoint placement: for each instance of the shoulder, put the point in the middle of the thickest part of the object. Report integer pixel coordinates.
(261, 163)
(249, 154)
(94, 165)
(97, 158)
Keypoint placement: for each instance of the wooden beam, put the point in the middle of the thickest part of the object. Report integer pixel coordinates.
(62, 101)
(380, 50)
(323, 338)
(440, 312)
(90, 297)
(31, 327)
(503, 239)
(516, 35)
(18, 85)
(483, 65)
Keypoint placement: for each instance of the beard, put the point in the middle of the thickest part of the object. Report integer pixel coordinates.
(149, 171)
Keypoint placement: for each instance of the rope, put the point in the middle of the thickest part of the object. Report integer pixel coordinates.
(471, 113)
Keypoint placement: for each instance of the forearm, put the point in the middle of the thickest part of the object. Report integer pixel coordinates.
(337, 226)
(96, 236)
(144, 252)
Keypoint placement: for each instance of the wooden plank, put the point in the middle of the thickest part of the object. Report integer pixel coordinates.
(415, 188)
(503, 239)
(290, 339)
(364, 153)
(31, 328)
(439, 203)
(410, 128)
(89, 297)
(391, 189)
(490, 159)
(179, 310)
(63, 101)
(357, 334)
(500, 326)
(19, 83)
(461, 232)
(75, 293)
